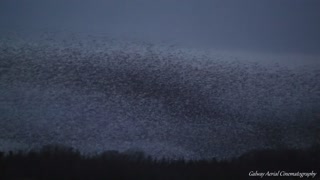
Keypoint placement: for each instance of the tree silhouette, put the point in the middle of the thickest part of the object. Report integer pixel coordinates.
(58, 162)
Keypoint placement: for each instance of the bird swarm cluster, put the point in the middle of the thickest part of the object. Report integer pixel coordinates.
(108, 93)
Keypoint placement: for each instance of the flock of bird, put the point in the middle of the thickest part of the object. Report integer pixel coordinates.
(99, 93)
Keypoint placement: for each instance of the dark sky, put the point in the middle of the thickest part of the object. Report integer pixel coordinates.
(102, 96)
(264, 25)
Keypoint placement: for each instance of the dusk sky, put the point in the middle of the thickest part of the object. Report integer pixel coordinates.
(263, 25)
(174, 78)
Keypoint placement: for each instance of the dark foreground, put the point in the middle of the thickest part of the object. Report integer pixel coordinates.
(57, 162)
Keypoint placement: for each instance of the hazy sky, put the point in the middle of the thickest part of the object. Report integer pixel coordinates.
(95, 97)
(263, 25)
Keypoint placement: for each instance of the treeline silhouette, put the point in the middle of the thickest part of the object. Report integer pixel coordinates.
(60, 162)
